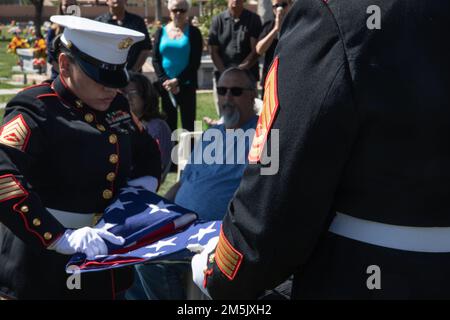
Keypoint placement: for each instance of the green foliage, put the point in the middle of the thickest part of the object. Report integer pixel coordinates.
(210, 9)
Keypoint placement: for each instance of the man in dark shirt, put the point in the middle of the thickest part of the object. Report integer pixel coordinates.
(117, 15)
(233, 36)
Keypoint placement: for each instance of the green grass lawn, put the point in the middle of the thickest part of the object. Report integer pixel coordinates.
(205, 108)
(7, 61)
(5, 97)
(168, 183)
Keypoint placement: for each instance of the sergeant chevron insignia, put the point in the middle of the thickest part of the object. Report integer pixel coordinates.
(15, 133)
(227, 258)
(267, 115)
(10, 188)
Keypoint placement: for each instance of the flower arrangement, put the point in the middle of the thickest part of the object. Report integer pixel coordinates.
(40, 48)
(40, 55)
(17, 43)
(40, 64)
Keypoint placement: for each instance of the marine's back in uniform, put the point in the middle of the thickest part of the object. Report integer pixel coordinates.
(364, 131)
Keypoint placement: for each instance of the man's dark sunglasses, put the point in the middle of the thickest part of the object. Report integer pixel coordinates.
(282, 5)
(235, 91)
(179, 10)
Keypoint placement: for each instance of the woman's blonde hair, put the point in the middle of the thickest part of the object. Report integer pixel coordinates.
(171, 3)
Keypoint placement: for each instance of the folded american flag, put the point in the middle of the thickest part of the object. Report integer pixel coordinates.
(154, 229)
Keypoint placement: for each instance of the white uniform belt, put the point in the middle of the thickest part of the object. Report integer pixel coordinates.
(420, 239)
(74, 220)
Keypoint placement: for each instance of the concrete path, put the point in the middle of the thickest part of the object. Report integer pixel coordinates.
(9, 91)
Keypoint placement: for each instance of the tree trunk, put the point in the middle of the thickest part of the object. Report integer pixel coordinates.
(158, 10)
(265, 10)
(38, 8)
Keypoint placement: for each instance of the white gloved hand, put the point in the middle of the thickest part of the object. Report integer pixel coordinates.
(199, 263)
(147, 182)
(85, 240)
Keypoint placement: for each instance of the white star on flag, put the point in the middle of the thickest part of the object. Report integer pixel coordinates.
(117, 205)
(203, 231)
(151, 255)
(161, 206)
(163, 243)
(105, 226)
(130, 190)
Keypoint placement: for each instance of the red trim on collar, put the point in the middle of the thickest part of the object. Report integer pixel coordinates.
(47, 95)
(64, 101)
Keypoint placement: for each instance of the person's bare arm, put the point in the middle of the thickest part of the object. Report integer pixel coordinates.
(217, 60)
(252, 57)
(264, 44)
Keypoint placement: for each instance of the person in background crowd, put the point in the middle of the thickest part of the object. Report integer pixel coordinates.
(176, 59)
(232, 41)
(118, 15)
(268, 38)
(54, 31)
(144, 103)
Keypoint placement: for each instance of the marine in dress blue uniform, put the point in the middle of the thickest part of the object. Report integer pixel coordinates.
(61, 163)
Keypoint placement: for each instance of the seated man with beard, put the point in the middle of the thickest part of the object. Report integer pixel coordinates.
(216, 166)
(209, 180)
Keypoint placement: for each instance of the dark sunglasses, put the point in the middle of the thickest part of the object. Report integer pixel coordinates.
(235, 91)
(282, 5)
(178, 10)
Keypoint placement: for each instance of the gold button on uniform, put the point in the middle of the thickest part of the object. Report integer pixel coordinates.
(89, 117)
(48, 236)
(111, 176)
(24, 209)
(211, 258)
(101, 127)
(107, 194)
(113, 139)
(114, 158)
(36, 222)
